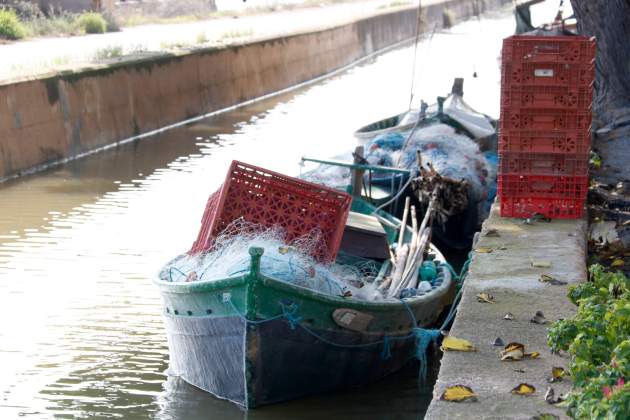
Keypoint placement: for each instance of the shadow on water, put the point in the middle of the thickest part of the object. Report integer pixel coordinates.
(399, 396)
(80, 243)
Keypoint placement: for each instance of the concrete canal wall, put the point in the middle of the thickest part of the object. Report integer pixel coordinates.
(62, 116)
(508, 273)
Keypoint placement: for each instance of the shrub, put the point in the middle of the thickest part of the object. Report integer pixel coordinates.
(10, 25)
(597, 340)
(56, 22)
(91, 23)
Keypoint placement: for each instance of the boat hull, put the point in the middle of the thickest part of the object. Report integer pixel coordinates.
(235, 343)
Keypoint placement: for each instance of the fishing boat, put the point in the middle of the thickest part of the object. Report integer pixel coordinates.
(256, 339)
(448, 143)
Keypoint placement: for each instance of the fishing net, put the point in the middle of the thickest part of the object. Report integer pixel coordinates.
(287, 261)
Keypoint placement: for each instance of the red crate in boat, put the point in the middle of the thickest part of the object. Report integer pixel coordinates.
(547, 97)
(539, 141)
(548, 207)
(268, 198)
(555, 75)
(543, 186)
(545, 119)
(514, 163)
(549, 49)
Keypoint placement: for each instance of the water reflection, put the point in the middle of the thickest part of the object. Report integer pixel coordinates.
(396, 397)
(81, 333)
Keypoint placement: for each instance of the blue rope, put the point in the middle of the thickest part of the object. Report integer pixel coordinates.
(451, 269)
(423, 339)
(291, 315)
(386, 353)
(249, 321)
(170, 272)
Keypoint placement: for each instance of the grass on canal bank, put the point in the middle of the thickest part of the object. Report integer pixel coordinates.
(16, 24)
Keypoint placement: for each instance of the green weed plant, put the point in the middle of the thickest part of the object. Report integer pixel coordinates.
(598, 341)
(10, 25)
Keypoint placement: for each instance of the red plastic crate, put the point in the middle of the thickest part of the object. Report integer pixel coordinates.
(551, 208)
(546, 74)
(543, 164)
(549, 49)
(545, 119)
(547, 97)
(536, 141)
(268, 198)
(543, 186)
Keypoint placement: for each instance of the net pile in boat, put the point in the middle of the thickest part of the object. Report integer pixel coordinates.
(287, 261)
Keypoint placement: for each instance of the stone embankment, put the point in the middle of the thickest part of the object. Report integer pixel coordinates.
(508, 265)
(46, 120)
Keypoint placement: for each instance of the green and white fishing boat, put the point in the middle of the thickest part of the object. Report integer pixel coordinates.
(254, 339)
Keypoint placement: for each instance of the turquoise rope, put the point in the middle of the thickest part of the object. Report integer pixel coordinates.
(386, 353)
(170, 272)
(423, 337)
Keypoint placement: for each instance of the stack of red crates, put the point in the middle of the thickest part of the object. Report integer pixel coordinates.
(545, 128)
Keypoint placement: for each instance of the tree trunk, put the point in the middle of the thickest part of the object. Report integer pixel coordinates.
(609, 22)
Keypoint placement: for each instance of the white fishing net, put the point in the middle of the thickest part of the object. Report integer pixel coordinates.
(290, 262)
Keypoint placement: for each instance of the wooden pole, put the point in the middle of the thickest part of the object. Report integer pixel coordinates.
(357, 174)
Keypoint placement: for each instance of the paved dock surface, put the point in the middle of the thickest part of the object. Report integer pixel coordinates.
(508, 274)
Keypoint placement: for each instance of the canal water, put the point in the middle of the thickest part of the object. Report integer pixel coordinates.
(81, 330)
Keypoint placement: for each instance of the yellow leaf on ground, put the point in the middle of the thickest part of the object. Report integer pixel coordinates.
(485, 298)
(484, 250)
(513, 351)
(618, 263)
(451, 343)
(458, 393)
(524, 389)
(541, 264)
(557, 373)
(532, 355)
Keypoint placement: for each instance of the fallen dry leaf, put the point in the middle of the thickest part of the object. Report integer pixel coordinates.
(513, 351)
(618, 262)
(458, 393)
(492, 233)
(523, 389)
(485, 298)
(539, 318)
(484, 250)
(546, 278)
(516, 351)
(532, 355)
(541, 264)
(557, 373)
(550, 396)
(451, 343)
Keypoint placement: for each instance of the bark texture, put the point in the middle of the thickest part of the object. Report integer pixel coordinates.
(609, 22)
